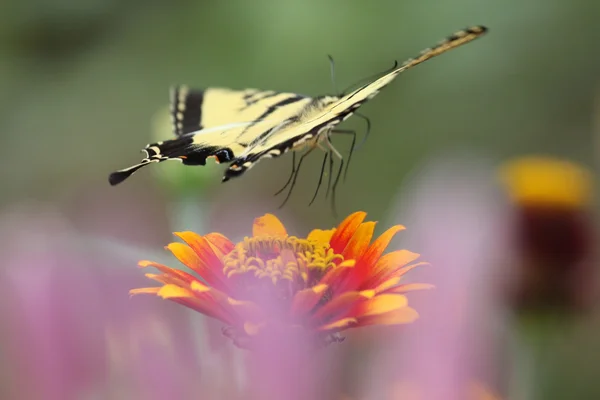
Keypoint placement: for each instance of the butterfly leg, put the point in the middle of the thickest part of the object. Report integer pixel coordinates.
(295, 175)
(346, 132)
(333, 150)
(320, 179)
(291, 175)
(368, 121)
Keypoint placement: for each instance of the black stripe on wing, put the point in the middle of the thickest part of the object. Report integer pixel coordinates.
(242, 164)
(181, 149)
(186, 109)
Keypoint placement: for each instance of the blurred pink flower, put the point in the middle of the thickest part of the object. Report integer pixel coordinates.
(459, 222)
(69, 328)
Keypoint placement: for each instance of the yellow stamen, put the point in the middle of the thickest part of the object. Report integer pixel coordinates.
(301, 262)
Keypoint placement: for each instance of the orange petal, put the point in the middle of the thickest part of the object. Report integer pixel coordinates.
(389, 264)
(335, 276)
(320, 235)
(339, 325)
(379, 245)
(209, 265)
(181, 275)
(398, 272)
(253, 329)
(381, 304)
(171, 291)
(345, 231)
(404, 315)
(220, 242)
(394, 260)
(248, 310)
(388, 284)
(411, 287)
(148, 290)
(339, 306)
(268, 225)
(305, 300)
(202, 303)
(359, 242)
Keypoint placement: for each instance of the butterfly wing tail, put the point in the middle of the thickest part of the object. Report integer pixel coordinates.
(181, 149)
(119, 176)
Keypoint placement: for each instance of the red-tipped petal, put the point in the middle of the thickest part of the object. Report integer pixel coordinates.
(210, 265)
(345, 231)
(220, 242)
(377, 248)
(359, 243)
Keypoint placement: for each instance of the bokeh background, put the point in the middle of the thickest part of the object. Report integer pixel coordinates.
(81, 83)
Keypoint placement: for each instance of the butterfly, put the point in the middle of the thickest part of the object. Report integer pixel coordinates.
(242, 127)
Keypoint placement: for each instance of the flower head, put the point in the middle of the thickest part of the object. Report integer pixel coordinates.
(325, 283)
(554, 231)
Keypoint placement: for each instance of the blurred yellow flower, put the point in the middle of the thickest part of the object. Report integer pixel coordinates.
(325, 283)
(554, 232)
(546, 181)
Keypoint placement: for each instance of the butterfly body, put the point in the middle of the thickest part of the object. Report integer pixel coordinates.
(241, 127)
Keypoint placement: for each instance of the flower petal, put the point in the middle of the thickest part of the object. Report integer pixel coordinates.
(340, 305)
(170, 291)
(247, 310)
(404, 315)
(220, 242)
(306, 299)
(181, 275)
(204, 262)
(411, 287)
(339, 325)
(381, 304)
(376, 249)
(268, 225)
(335, 276)
(389, 264)
(202, 303)
(345, 231)
(359, 242)
(148, 290)
(320, 235)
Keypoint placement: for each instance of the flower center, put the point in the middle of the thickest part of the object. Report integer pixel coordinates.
(297, 263)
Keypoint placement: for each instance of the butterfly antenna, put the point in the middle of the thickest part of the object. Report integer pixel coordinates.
(295, 176)
(368, 121)
(320, 179)
(291, 175)
(332, 72)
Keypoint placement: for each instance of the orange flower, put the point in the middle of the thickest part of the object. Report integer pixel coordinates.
(331, 281)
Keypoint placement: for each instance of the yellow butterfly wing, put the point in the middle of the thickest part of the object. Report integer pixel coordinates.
(217, 123)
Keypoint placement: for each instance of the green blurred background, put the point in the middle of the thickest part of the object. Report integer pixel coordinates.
(80, 82)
